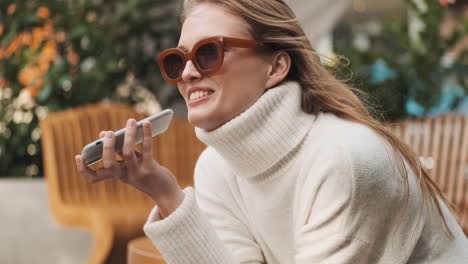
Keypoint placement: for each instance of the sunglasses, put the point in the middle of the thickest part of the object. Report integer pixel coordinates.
(207, 56)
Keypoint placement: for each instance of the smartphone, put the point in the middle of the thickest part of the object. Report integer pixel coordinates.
(92, 152)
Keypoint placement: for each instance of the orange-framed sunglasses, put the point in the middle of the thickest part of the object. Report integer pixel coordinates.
(207, 56)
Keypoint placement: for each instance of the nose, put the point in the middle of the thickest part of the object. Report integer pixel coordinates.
(190, 73)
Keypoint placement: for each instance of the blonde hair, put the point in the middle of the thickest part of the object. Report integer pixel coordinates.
(272, 22)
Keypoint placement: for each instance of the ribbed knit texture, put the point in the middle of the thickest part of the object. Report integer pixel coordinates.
(276, 119)
(277, 185)
(179, 230)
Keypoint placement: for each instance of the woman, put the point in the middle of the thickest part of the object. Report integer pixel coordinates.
(296, 170)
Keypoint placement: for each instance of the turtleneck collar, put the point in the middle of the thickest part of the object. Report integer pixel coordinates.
(264, 134)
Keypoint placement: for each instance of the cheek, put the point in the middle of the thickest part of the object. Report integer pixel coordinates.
(179, 88)
(182, 90)
(242, 82)
(243, 70)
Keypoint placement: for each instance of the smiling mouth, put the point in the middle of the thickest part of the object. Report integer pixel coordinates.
(199, 94)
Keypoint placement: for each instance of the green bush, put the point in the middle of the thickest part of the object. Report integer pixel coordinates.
(402, 63)
(56, 55)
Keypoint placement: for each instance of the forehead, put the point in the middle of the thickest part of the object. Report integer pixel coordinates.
(208, 20)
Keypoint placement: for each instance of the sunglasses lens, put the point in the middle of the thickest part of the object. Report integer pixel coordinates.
(173, 64)
(207, 56)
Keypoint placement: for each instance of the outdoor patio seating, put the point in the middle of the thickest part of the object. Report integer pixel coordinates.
(115, 212)
(111, 210)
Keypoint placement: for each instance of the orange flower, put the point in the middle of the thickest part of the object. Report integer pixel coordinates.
(48, 27)
(43, 12)
(1, 29)
(29, 74)
(48, 54)
(21, 40)
(35, 88)
(25, 39)
(38, 35)
(11, 9)
(44, 66)
(49, 50)
(12, 47)
(447, 2)
(3, 83)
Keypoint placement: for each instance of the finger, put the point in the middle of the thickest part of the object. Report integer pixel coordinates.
(137, 154)
(106, 174)
(147, 146)
(102, 134)
(84, 170)
(128, 150)
(108, 153)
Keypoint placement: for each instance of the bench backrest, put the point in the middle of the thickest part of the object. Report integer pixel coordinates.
(442, 144)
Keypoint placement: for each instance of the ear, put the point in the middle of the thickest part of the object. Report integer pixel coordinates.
(280, 65)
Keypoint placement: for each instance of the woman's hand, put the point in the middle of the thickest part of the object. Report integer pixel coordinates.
(137, 169)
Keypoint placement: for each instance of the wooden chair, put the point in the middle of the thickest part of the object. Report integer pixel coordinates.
(442, 144)
(113, 211)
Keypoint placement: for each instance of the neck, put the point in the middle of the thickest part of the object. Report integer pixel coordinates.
(264, 134)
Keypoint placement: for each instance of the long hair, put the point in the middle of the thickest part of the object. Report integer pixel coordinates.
(272, 22)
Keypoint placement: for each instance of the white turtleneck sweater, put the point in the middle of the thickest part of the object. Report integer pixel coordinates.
(277, 185)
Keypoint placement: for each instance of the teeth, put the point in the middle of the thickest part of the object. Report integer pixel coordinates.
(198, 94)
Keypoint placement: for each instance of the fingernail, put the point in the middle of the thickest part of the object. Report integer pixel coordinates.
(130, 122)
(133, 122)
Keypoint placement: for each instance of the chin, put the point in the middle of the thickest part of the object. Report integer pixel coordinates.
(198, 120)
(204, 121)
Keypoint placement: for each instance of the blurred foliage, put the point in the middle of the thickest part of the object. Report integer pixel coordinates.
(403, 63)
(58, 54)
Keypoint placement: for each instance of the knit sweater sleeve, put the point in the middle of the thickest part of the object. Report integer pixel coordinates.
(350, 205)
(189, 236)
